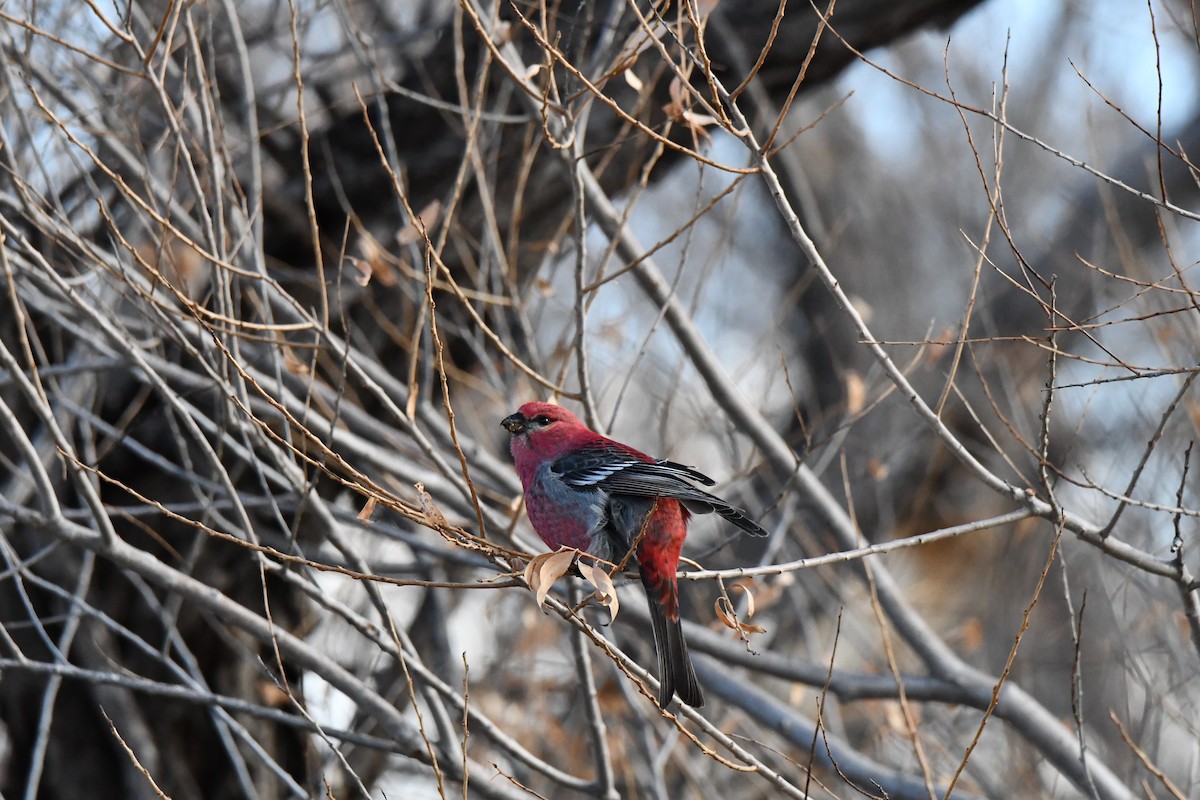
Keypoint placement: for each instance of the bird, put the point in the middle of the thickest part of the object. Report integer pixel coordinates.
(588, 492)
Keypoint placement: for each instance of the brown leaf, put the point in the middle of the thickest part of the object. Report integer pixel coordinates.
(544, 570)
(729, 619)
(427, 217)
(368, 509)
(433, 514)
(271, 695)
(674, 109)
(749, 598)
(295, 365)
(699, 122)
(503, 33)
(375, 264)
(856, 392)
(726, 617)
(363, 270)
(606, 592)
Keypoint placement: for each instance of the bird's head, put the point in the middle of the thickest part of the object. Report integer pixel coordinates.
(533, 418)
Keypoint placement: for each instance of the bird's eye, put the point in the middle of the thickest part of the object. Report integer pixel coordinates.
(542, 419)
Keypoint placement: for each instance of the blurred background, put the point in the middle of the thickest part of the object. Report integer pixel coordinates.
(274, 272)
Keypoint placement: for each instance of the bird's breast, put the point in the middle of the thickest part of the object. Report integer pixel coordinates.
(563, 515)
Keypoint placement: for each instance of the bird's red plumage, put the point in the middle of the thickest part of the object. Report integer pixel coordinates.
(586, 491)
(557, 525)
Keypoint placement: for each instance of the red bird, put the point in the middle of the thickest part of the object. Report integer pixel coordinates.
(586, 491)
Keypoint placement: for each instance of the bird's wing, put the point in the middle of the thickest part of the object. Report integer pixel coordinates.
(589, 467)
(618, 471)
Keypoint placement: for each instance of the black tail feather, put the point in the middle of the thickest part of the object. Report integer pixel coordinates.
(675, 672)
(737, 517)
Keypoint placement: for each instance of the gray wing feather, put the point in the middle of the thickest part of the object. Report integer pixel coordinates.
(617, 472)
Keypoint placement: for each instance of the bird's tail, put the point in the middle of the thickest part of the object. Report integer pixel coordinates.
(675, 672)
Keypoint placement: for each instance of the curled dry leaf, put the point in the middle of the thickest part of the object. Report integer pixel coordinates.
(728, 617)
(544, 569)
(375, 264)
(749, 597)
(680, 110)
(674, 109)
(433, 514)
(368, 510)
(606, 592)
(293, 364)
(416, 230)
(362, 270)
(633, 80)
(699, 122)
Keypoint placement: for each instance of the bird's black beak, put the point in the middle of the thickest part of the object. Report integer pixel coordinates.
(514, 424)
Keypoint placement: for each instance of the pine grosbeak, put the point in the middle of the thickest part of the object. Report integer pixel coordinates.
(589, 492)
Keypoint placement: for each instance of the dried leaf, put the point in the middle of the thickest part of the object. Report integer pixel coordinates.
(947, 335)
(677, 94)
(856, 392)
(699, 122)
(414, 392)
(503, 32)
(551, 570)
(679, 109)
(606, 592)
(433, 514)
(376, 263)
(725, 612)
(633, 80)
(272, 696)
(729, 619)
(294, 365)
(545, 569)
(749, 598)
(428, 217)
(368, 509)
(362, 270)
